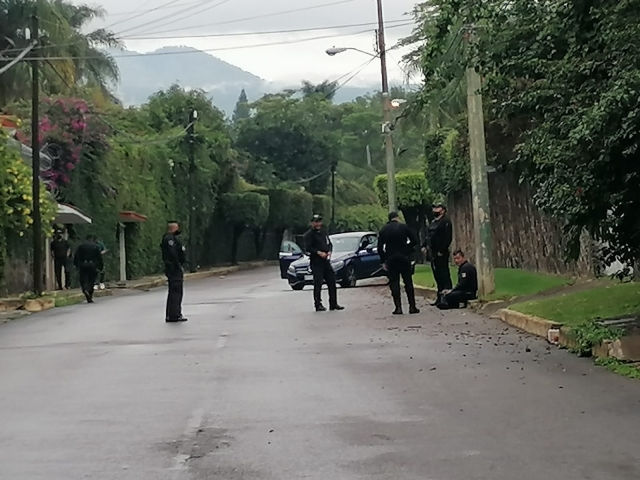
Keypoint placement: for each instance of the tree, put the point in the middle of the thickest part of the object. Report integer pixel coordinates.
(570, 96)
(291, 138)
(244, 210)
(325, 90)
(414, 197)
(242, 109)
(64, 27)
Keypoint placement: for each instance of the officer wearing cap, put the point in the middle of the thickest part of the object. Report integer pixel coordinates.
(438, 243)
(173, 257)
(396, 242)
(318, 246)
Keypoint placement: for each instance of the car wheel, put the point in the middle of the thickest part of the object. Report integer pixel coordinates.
(297, 287)
(350, 278)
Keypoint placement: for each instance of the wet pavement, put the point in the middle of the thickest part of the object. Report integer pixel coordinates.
(256, 386)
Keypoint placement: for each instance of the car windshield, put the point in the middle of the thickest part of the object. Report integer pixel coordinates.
(345, 244)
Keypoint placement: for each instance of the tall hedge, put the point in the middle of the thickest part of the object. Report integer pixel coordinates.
(244, 210)
(322, 205)
(360, 218)
(300, 209)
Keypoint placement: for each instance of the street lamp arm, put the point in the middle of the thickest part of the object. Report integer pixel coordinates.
(336, 50)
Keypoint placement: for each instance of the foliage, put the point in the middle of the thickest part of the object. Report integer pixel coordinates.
(322, 205)
(447, 168)
(300, 209)
(242, 110)
(411, 189)
(607, 299)
(16, 200)
(64, 33)
(625, 369)
(246, 210)
(290, 140)
(360, 218)
(591, 334)
(561, 82)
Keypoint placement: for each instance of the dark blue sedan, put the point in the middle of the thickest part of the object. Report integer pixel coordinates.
(355, 257)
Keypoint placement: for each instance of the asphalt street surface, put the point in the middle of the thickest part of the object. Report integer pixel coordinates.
(257, 386)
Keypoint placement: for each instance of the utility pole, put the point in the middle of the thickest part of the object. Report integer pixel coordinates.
(333, 196)
(387, 128)
(35, 159)
(193, 115)
(479, 182)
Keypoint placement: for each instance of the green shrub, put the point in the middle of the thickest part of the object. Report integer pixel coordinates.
(361, 218)
(322, 205)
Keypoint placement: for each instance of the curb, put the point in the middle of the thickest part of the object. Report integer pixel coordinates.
(625, 349)
(9, 306)
(534, 325)
(219, 271)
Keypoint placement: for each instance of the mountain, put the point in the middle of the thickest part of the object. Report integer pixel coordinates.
(144, 74)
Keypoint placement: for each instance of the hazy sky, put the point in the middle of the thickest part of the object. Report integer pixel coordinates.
(215, 25)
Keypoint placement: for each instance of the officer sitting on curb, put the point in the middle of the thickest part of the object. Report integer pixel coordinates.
(467, 287)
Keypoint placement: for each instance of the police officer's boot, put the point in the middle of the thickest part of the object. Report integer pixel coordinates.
(397, 301)
(320, 308)
(412, 303)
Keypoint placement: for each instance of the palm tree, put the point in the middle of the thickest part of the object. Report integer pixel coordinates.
(83, 65)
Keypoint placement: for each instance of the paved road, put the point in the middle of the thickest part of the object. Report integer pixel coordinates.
(256, 386)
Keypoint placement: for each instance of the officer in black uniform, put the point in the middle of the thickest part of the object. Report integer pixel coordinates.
(318, 246)
(173, 257)
(88, 261)
(61, 251)
(396, 243)
(438, 243)
(467, 287)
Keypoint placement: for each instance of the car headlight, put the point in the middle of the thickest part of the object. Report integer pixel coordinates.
(291, 269)
(337, 265)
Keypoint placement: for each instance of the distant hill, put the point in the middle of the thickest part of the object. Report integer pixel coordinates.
(143, 75)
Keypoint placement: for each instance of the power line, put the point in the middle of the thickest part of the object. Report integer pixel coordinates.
(178, 16)
(390, 23)
(275, 14)
(268, 32)
(220, 49)
(164, 5)
(18, 58)
(141, 10)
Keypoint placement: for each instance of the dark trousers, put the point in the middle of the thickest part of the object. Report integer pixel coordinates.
(87, 273)
(441, 272)
(455, 299)
(323, 272)
(175, 293)
(61, 264)
(400, 267)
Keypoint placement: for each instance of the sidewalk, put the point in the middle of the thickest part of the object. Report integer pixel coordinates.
(15, 307)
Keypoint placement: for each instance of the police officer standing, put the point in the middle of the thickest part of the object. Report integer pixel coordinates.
(88, 261)
(173, 257)
(438, 243)
(61, 252)
(396, 242)
(318, 246)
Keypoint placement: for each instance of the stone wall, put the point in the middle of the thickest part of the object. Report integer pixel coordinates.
(523, 237)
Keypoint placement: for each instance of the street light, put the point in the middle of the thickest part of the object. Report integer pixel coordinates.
(332, 52)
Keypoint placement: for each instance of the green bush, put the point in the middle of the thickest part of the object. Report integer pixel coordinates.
(245, 210)
(300, 209)
(360, 218)
(412, 190)
(322, 205)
